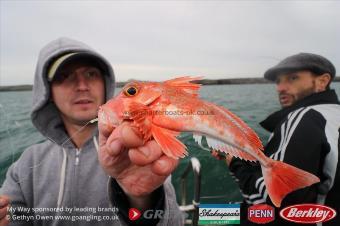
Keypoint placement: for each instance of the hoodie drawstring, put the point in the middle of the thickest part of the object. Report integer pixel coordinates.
(95, 142)
(62, 179)
(63, 173)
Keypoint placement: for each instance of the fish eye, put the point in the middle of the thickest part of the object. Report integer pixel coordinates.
(130, 91)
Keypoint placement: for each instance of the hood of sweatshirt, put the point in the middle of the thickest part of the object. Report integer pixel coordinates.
(45, 115)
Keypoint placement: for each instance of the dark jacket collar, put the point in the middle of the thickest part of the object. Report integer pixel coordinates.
(326, 97)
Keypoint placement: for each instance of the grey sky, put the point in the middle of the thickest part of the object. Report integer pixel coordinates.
(157, 40)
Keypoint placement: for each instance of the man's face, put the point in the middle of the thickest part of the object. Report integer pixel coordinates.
(294, 86)
(78, 91)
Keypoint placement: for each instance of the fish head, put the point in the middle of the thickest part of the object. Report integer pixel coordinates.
(116, 110)
(141, 102)
(137, 96)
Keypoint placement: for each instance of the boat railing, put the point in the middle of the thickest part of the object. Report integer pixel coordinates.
(193, 208)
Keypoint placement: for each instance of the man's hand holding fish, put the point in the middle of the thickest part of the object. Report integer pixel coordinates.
(138, 168)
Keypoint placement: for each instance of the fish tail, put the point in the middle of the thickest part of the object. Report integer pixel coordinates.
(281, 179)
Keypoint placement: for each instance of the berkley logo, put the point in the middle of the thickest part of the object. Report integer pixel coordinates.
(261, 213)
(308, 213)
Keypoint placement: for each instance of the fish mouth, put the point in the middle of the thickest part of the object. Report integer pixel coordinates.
(107, 116)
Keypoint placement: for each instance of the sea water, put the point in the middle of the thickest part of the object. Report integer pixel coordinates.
(252, 103)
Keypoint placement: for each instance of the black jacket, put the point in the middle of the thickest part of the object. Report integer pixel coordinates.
(305, 135)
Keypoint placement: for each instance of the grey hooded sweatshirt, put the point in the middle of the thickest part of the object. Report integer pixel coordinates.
(54, 183)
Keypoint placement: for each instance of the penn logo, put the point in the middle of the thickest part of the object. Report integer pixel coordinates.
(261, 213)
(308, 213)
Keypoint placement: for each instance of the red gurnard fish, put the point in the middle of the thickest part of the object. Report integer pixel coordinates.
(160, 111)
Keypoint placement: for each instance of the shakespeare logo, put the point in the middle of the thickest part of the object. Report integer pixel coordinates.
(219, 214)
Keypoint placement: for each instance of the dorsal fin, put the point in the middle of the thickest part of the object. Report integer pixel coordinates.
(185, 84)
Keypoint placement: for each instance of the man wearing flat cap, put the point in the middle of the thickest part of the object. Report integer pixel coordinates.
(305, 134)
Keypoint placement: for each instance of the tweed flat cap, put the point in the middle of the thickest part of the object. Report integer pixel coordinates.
(302, 61)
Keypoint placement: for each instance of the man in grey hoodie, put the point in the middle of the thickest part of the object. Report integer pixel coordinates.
(61, 181)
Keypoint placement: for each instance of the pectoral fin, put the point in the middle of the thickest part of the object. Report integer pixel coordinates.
(168, 142)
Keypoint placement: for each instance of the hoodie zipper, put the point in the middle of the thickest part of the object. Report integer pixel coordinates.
(77, 156)
(76, 178)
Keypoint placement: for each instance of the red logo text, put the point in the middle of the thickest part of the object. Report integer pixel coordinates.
(261, 213)
(307, 213)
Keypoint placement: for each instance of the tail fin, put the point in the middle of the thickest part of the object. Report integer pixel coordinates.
(281, 179)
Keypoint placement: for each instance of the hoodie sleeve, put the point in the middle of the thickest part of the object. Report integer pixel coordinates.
(302, 144)
(13, 189)
(165, 201)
